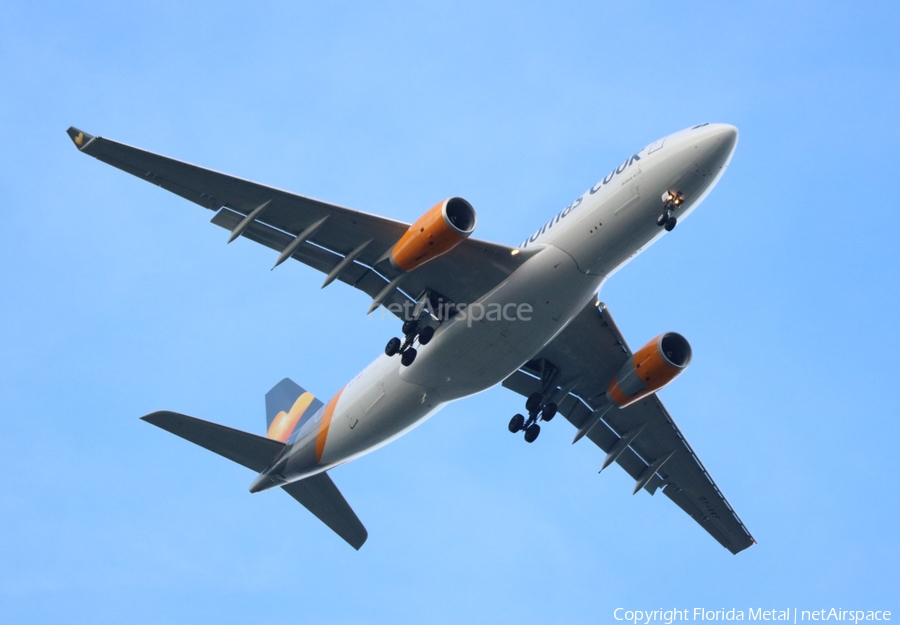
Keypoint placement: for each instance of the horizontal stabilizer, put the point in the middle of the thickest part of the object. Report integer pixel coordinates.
(319, 495)
(252, 451)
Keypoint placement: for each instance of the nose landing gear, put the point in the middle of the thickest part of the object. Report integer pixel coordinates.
(671, 200)
(412, 330)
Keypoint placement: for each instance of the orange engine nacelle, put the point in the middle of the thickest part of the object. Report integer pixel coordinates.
(436, 232)
(650, 368)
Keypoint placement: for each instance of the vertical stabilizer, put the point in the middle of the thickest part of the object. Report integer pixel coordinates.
(286, 404)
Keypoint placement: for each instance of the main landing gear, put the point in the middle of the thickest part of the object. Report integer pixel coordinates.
(412, 330)
(538, 406)
(671, 201)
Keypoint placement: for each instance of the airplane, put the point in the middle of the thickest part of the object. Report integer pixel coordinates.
(474, 314)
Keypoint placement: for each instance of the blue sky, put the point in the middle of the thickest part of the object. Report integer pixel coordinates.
(120, 299)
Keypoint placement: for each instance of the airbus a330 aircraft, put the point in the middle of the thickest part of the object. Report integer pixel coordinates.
(474, 314)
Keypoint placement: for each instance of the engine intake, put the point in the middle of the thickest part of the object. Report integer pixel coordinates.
(439, 230)
(650, 368)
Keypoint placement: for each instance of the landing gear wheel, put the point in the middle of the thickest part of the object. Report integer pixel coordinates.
(392, 347)
(407, 357)
(549, 411)
(516, 423)
(426, 334)
(531, 432)
(410, 327)
(670, 224)
(533, 402)
(661, 219)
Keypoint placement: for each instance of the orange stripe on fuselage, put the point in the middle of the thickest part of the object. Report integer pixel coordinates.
(324, 424)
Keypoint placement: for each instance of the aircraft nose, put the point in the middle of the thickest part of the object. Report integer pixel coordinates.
(728, 135)
(718, 146)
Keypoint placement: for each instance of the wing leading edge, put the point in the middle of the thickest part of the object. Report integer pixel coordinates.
(642, 438)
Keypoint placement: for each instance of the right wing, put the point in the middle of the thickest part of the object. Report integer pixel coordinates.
(282, 218)
(641, 438)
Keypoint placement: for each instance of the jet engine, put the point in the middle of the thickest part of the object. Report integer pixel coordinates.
(439, 230)
(650, 368)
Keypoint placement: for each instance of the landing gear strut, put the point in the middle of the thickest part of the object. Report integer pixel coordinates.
(671, 200)
(538, 405)
(412, 330)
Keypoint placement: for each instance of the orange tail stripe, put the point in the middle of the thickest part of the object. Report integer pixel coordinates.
(324, 424)
(284, 423)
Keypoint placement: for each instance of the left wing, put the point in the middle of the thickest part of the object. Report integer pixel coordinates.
(344, 244)
(642, 438)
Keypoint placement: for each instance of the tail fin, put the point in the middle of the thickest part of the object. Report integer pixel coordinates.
(286, 404)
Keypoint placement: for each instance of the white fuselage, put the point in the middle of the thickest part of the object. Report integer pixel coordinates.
(579, 248)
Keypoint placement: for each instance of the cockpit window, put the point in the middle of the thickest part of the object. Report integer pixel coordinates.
(700, 125)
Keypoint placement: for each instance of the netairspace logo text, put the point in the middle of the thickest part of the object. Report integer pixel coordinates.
(789, 615)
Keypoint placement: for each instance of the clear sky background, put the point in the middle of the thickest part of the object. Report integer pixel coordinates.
(119, 299)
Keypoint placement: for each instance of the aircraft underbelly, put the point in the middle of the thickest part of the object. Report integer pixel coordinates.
(510, 324)
(374, 409)
(469, 355)
(465, 357)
